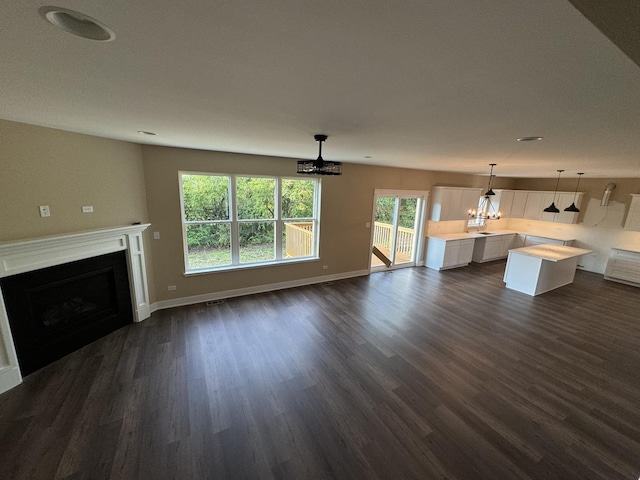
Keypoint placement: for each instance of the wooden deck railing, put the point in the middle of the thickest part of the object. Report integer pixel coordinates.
(382, 238)
(299, 239)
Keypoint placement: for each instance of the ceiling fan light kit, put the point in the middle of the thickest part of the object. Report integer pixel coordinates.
(319, 166)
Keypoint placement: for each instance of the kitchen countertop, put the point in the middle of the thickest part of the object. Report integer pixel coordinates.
(464, 235)
(553, 253)
(561, 237)
(493, 233)
(628, 249)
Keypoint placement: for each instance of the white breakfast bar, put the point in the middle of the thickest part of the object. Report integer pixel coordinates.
(539, 268)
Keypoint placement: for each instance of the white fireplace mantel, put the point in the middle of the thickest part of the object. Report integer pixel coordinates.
(28, 255)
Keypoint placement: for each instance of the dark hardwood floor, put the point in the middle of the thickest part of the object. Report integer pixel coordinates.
(403, 375)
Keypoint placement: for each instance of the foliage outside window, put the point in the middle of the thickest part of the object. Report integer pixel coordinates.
(234, 221)
(385, 208)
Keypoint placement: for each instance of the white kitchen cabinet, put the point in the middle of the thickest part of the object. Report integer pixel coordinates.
(519, 203)
(453, 203)
(443, 254)
(504, 202)
(623, 266)
(633, 217)
(534, 205)
(562, 200)
(493, 247)
(565, 199)
(528, 204)
(547, 199)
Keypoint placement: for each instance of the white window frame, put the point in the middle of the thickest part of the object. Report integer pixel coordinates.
(234, 223)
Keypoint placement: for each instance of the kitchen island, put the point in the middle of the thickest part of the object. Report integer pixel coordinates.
(539, 268)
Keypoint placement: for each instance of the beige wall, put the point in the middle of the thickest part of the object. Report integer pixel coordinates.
(43, 166)
(347, 204)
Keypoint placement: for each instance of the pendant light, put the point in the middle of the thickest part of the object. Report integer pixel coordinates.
(552, 208)
(572, 207)
(491, 175)
(319, 166)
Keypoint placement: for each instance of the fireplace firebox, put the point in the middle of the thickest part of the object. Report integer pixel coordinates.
(57, 310)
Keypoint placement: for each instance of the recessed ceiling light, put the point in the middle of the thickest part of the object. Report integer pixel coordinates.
(146, 133)
(529, 139)
(77, 23)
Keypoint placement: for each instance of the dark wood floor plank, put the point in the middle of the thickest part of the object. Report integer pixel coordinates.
(407, 374)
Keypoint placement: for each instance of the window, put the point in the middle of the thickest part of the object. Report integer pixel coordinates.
(232, 221)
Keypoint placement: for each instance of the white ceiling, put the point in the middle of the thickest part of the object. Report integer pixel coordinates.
(428, 84)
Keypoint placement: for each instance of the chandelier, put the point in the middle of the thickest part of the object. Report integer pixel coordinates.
(486, 210)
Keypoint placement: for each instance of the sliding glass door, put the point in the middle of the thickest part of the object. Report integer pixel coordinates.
(397, 229)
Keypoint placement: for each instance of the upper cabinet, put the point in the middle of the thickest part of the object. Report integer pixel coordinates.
(529, 204)
(502, 201)
(565, 200)
(453, 203)
(633, 217)
(533, 208)
(519, 203)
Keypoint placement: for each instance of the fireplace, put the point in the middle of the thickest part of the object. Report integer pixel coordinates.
(57, 310)
(71, 307)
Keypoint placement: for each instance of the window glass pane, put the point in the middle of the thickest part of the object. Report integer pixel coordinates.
(256, 197)
(209, 245)
(205, 197)
(257, 241)
(297, 198)
(405, 236)
(297, 239)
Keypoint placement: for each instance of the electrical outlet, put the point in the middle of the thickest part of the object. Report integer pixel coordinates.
(156, 235)
(324, 267)
(87, 209)
(171, 288)
(44, 211)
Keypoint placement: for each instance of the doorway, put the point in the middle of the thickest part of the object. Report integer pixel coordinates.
(396, 240)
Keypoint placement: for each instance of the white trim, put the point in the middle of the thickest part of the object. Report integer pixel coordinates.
(23, 256)
(207, 297)
(234, 222)
(248, 266)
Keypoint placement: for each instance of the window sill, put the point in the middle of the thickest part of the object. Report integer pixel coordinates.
(248, 266)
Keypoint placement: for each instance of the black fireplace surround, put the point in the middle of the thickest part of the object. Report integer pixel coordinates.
(57, 310)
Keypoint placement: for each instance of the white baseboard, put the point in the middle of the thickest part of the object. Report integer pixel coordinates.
(270, 287)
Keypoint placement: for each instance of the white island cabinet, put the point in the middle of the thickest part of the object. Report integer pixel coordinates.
(539, 268)
(443, 253)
